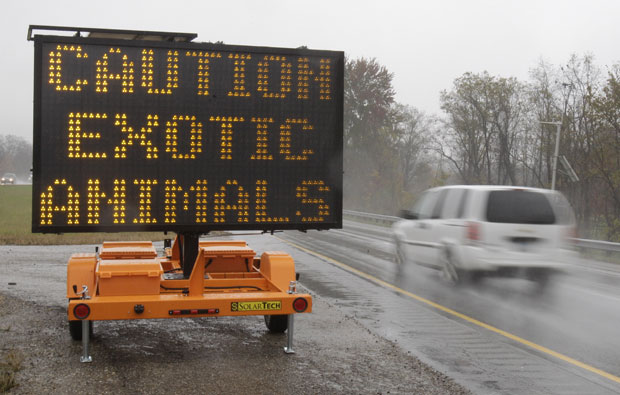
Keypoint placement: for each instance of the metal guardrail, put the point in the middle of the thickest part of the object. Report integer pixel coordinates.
(389, 220)
(368, 217)
(598, 245)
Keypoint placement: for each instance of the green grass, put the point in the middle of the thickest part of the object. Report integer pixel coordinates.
(604, 256)
(15, 223)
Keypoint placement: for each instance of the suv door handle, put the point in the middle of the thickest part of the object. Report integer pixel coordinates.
(423, 225)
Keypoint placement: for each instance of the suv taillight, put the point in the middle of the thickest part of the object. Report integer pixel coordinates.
(473, 231)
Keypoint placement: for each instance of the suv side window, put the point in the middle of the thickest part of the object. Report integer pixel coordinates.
(417, 205)
(440, 203)
(451, 204)
(424, 208)
(463, 203)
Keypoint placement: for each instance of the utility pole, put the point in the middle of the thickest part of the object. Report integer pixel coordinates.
(558, 125)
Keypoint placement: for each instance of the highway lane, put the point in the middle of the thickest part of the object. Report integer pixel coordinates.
(577, 317)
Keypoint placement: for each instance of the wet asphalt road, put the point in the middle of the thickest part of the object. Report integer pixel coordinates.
(576, 316)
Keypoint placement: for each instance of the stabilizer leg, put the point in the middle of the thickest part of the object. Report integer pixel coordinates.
(85, 342)
(289, 344)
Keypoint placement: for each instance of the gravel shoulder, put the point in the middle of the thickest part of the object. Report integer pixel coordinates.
(335, 353)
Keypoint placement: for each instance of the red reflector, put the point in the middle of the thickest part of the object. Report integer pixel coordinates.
(81, 311)
(176, 312)
(193, 311)
(300, 305)
(212, 311)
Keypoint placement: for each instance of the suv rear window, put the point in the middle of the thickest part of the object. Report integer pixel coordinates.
(519, 207)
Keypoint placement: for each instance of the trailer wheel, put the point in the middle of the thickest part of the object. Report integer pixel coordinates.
(75, 329)
(276, 323)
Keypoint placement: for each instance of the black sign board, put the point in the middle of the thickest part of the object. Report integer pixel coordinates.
(142, 135)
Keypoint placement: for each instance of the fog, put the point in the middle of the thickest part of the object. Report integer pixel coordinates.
(424, 44)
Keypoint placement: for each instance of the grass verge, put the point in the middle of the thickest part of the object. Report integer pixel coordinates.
(10, 365)
(15, 224)
(597, 255)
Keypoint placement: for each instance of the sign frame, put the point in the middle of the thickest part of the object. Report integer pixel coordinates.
(336, 174)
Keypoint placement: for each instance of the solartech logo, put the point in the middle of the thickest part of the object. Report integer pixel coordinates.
(256, 306)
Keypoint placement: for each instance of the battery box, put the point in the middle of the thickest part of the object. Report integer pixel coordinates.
(128, 268)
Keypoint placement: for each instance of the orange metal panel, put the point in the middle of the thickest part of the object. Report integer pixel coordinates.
(128, 250)
(210, 243)
(279, 268)
(81, 271)
(196, 278)
(228, 258)
(176, 249)
(228, 282)
(159, 306)
(129, 277)
(168, 265)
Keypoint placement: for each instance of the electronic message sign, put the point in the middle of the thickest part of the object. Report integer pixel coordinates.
(188, 137)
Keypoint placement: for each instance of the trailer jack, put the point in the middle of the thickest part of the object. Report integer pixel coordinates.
(85, 358)
(292, 289)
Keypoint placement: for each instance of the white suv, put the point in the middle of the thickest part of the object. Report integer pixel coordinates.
(468, 231)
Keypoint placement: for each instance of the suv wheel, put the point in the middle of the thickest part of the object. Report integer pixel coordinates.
(541, 277)
(401, 258)
(449, 272)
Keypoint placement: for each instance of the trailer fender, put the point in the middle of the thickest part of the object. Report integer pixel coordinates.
(279, 268)
(80, 272)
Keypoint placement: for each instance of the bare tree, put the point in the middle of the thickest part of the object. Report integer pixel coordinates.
(581, 81)
(544, 94)
(606, 150)
(484, 119)
(412, 129)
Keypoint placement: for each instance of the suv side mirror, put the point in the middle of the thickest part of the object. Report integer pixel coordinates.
(407, 214)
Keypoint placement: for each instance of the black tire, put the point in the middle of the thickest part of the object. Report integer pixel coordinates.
(542, 278)
(456, 276)
(451, 274)
(471, 277)
(276, 323)
(75, 329)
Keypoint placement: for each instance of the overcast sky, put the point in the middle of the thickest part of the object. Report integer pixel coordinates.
(425, 44)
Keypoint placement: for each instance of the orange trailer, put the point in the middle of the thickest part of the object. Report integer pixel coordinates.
(128, 280)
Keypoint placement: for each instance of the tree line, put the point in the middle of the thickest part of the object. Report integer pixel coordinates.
(489, 132)
(15, 156)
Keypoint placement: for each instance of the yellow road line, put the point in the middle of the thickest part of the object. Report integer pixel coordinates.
(474, 321)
